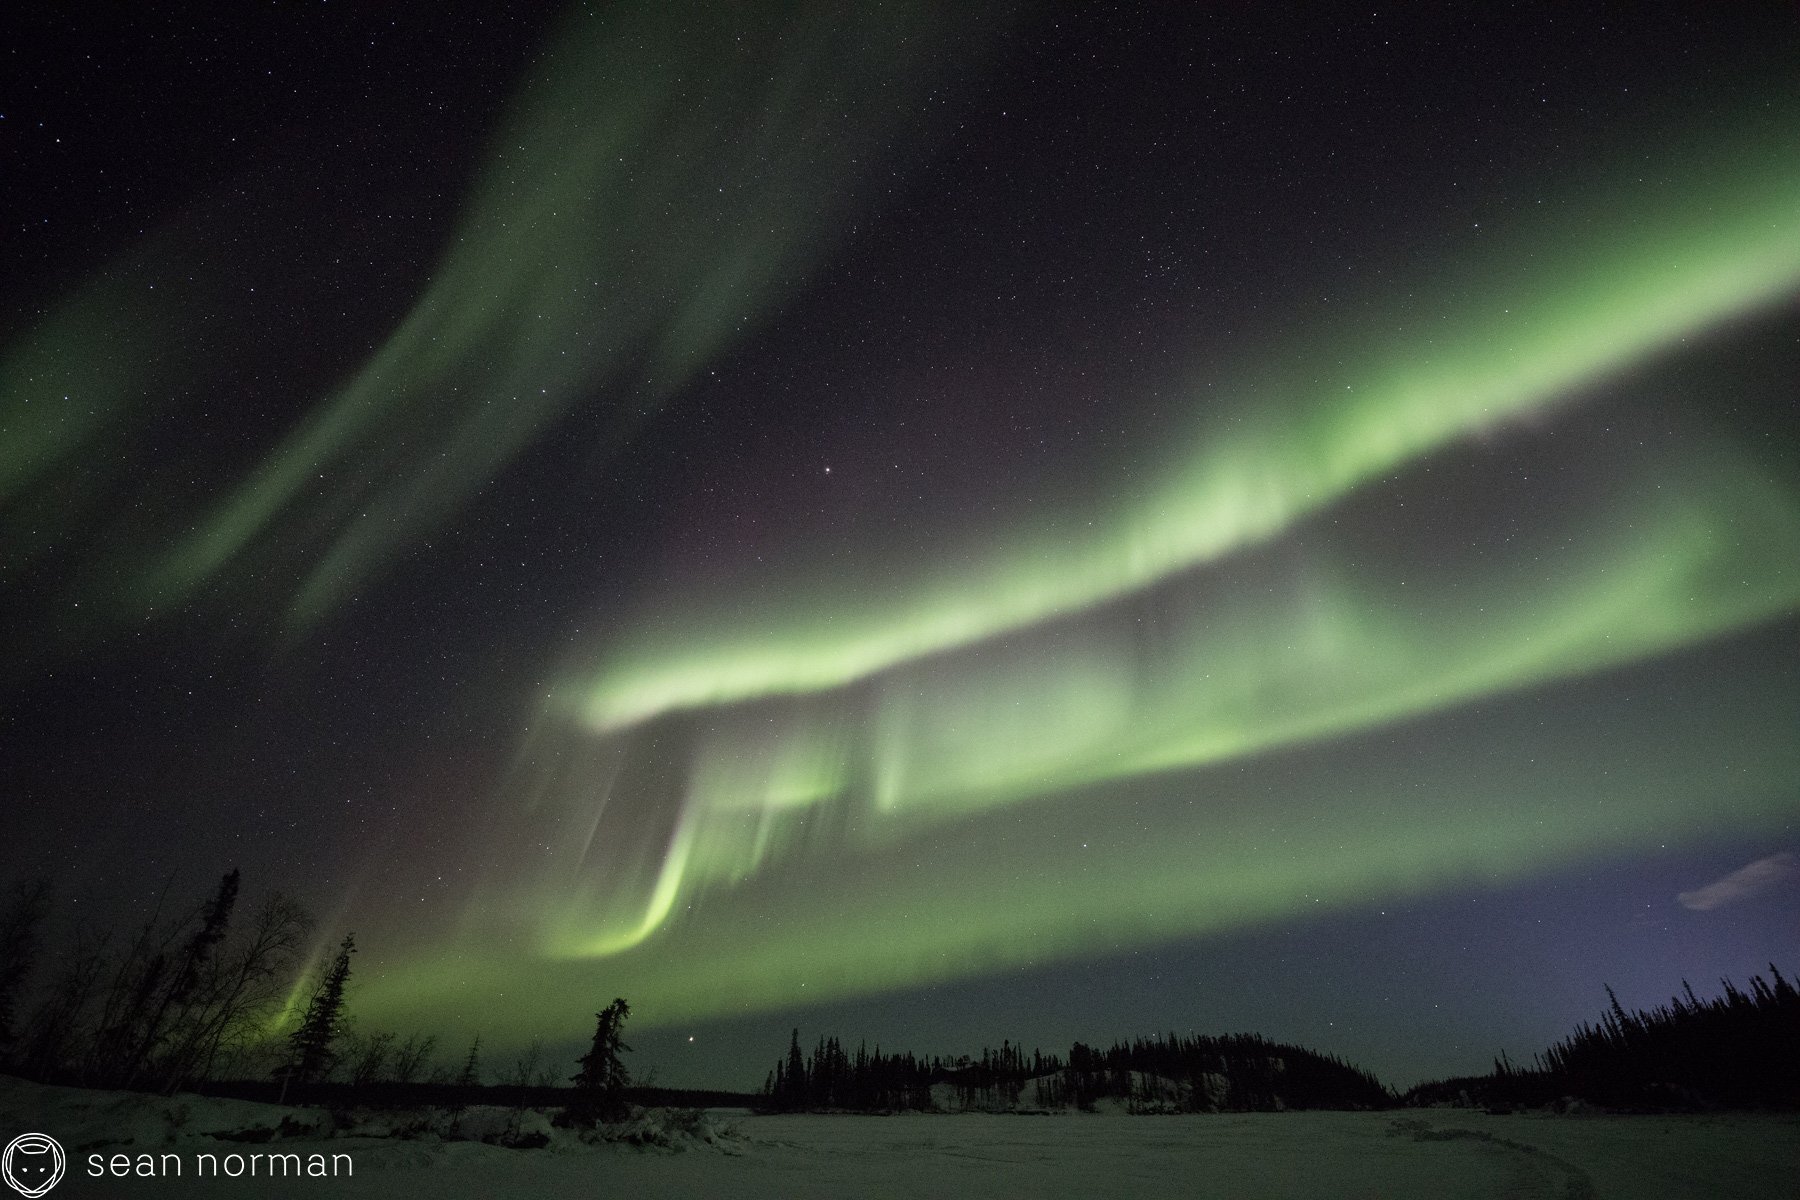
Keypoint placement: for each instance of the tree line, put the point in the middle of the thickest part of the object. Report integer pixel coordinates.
(1234, 1073)
(186, 996)
(1739, 1049)
(200, 995)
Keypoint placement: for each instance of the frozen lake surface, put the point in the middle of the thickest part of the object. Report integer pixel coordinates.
(1428, 1154)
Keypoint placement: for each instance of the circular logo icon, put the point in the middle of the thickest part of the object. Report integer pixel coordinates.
(33, 1164)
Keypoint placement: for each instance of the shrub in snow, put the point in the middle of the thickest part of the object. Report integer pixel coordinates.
(518, 1128)
(671, 1129)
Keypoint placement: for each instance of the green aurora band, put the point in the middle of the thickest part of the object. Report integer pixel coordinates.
(1489, 344)
(1052, 738)
(1291, 646)
(666, 180)
(1064, 745)
(1104, 869)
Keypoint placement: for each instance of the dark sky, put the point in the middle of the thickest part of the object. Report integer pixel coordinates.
(1059, 522)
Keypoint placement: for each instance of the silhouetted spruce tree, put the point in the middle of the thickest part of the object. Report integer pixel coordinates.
(1150, 1074)
(169, 1009)
(244, 981)
(600, 1084)
(799, 1095)
(1738, 1050)
(1741, 1049)
(470, 1075)
(466, 1082)
(311, 1047)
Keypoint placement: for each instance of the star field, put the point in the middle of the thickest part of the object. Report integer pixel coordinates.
(908, 519)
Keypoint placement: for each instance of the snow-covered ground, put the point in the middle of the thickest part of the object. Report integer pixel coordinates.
(1429, 1154)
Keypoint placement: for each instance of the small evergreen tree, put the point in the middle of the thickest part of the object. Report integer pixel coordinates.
(600, 1084)
(468, 1079)
(799, 1094)
(311, 1047)
(470, 1076)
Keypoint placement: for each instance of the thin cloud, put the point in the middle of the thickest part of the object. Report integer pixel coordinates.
(1742, 883)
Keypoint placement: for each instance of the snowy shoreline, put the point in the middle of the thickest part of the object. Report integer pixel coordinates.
(1423, 1153)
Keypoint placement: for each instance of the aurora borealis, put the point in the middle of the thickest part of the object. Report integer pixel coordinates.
(902, 518)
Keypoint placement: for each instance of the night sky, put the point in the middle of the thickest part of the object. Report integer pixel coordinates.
(922, 524)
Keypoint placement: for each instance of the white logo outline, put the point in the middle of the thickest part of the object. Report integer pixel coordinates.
(33, 1143)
